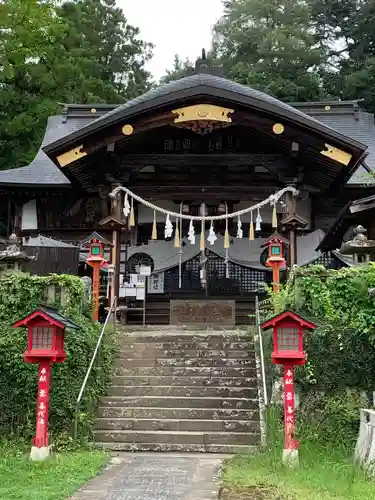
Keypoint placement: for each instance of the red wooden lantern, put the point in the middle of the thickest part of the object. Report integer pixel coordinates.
(288, 328)
(46, 331)
(275, 259)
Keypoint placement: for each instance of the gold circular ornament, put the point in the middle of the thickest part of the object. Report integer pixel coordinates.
(93, 110)
(327, 108)
(127, 129)
(278, 128)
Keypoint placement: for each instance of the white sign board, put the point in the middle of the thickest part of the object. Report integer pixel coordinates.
(145, 270)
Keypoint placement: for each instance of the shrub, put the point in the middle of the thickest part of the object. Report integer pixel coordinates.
(19, 295)
(340, 367)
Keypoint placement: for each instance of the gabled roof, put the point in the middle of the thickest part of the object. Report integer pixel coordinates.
(98, 237)
(344, 117)
(202, 84)
(287, 315)
(48, 313)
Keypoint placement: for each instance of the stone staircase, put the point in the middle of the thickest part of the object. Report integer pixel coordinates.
(182, 391)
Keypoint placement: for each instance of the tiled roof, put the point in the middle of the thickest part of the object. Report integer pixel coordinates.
(44, 241)
(201, 84)
(353, 122)
(42, 171)
(343, 117)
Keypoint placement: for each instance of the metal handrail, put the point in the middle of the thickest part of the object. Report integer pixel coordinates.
(97, 347)
(259, 331)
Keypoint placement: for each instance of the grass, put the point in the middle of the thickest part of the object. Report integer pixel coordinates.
(55, 479)
(324, 473)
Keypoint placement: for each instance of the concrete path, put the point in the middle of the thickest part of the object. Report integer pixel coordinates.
(156, 476)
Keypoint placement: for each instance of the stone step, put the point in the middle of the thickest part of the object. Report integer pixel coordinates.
(180, 402)
(183, 448)
(201, 381)
(176, 362)
(177, 425)
(178, 391)
(229, 345)
(186, 371)
(162, 337)
(149, 352)
(177, 437)
(177, 413)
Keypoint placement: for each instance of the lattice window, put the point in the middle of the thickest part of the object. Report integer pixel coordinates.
(329, 261)
(42, 337)
(190, 277)
(288, 339)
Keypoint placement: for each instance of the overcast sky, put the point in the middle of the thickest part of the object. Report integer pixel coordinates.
(173, 26)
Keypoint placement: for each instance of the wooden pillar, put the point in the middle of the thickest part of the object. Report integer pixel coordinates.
(292, 247)
(290, 223)
(116, 212)
(17, 220)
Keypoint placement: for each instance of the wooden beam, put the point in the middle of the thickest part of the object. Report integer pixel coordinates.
(251, 160)
(206, 192)
(362, 207)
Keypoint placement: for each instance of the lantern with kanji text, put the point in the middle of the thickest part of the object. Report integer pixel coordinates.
(288, 329)
(46, 333)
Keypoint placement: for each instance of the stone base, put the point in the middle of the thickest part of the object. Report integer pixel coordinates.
(39, 454)
(291, 457)
(365, 448)
(203, 312)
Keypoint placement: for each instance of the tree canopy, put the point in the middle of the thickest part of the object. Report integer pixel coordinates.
(85, 51)
(51, 52)
(269, 44)
(296, 50)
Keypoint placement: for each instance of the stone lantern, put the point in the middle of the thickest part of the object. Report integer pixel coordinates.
(360, 247)
(13, 258)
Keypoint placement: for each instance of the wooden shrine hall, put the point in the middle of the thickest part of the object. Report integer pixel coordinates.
(202, 146)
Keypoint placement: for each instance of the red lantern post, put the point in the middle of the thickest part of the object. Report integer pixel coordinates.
(46, 331)
(96, 260)
(275, 257)
(288, 351)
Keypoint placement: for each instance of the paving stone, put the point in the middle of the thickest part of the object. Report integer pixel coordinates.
(155, 477)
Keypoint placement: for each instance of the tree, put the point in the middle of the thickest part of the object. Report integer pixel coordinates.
(83, 51)
(108, 49)
(270, 45)
(30, 34)
(347, 28)
(357, 70)
(181, 68)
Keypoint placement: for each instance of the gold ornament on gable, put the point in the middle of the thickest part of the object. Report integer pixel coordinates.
(337, 154)
(202, 118)
(71, 156)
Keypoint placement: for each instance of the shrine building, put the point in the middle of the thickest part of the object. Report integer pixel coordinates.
(199, 146)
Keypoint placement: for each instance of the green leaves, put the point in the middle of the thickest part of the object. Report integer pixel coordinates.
(19, 295)
(52, 52)
(270, 45)
(341, 351)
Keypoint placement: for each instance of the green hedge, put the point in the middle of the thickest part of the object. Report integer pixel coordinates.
(19, 295)
(339, 376)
